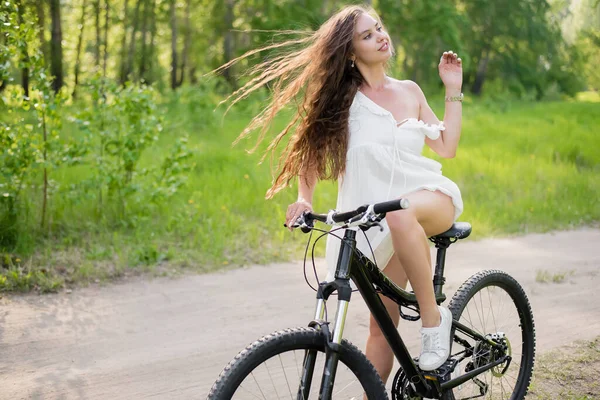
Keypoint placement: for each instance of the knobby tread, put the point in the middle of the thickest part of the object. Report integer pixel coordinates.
(349, 355)
(489, 277)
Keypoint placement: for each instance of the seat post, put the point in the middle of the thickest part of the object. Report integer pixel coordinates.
(441, 244)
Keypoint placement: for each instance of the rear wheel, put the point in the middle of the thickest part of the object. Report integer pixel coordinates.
(493, 304)
(273, 366)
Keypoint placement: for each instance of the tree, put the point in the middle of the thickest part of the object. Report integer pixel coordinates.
(186, 42)
(41, 17)
(130, 55)
(144, 53)
(24, 53)
(56, 54)
(173, 44)
(98, 43)
(228, 41)
(123, 69)
(79, 45)
(106, 17)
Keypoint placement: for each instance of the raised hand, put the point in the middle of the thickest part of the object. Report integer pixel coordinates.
(450, 69)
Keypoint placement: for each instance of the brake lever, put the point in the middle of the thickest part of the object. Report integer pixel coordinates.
(301, 223)
(371, 220)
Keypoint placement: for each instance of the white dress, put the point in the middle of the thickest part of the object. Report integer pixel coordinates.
(384, 162)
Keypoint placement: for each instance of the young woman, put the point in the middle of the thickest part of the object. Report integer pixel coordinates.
(360, 126)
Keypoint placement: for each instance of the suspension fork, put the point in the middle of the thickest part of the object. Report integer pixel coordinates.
(308, 366)
(344, 292)
(333, 342)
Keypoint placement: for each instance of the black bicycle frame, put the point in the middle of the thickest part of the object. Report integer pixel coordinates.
(354, 265)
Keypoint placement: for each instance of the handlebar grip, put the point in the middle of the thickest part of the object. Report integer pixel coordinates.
(392, 205)
(345, 216)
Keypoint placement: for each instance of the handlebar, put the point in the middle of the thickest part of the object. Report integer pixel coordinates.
(305, 221)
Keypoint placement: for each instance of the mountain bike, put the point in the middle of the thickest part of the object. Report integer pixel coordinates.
(493, 332)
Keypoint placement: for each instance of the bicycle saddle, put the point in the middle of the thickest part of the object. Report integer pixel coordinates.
(459, 230)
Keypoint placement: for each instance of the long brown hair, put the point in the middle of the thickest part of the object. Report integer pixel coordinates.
(322, 81)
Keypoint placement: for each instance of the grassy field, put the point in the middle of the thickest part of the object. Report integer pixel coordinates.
(522, 167)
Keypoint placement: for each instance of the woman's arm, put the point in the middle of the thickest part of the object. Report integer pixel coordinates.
(450, 69)
(307, 180)
(306, 186)
(447, 144)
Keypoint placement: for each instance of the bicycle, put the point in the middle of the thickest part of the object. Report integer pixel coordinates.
(484, 363)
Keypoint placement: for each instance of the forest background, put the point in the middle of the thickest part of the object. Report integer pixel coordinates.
(115, 159)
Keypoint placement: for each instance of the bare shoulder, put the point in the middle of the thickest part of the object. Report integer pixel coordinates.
(410, 87)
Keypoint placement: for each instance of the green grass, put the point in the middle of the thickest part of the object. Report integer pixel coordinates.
(522, 167)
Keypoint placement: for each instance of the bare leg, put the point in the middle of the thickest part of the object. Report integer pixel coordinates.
(430, 213)
(378, 350)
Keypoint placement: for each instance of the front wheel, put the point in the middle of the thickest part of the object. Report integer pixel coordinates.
(273, 367)
(493, 304)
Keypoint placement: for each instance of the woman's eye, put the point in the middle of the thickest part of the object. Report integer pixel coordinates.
(369, 35)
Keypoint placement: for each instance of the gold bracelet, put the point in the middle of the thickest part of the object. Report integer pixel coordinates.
(455, 98)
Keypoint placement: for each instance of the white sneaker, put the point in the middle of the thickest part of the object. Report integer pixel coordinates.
(435, 342)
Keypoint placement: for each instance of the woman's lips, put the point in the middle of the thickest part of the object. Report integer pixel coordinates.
(384, 47)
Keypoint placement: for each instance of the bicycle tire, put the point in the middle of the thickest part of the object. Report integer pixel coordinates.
(288, 340)
(494, 278)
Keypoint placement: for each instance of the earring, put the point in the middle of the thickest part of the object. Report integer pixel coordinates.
(352, 63)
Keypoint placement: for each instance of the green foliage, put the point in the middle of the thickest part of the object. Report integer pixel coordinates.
(588, 44)
(118, 128)
(27, 146)
(528, 41)
(521, 167)
(118, 167)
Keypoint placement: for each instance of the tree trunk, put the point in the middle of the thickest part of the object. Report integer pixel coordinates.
(228, 42)
(143, 59)
(186, 43)
(106, 15)
(98, 33)
(2, 82)
(151, 51)
(130, 56)
(173, 46)
(24, 54)
(481, 71)
(192, 74)
(79, 44)
(122, 72)
(41, 15)
(56, 46)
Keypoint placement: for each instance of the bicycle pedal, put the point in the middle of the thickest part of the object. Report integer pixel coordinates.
(442, 374)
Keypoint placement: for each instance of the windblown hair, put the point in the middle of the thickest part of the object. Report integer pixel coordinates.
(322, 82)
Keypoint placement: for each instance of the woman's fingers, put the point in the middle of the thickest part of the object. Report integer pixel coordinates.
(295, 210)
(450, 57)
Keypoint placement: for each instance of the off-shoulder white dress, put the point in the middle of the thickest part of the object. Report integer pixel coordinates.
(384, 162)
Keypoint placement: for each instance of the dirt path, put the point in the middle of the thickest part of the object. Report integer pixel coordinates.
(169, 339)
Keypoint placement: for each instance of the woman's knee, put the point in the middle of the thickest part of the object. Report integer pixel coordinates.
(402, 220)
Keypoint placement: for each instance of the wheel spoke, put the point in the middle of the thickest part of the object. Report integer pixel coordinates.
(285, 376)
(271, 378)
(491, 308)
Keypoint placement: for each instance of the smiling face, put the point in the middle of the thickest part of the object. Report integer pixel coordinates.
(371, 43)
